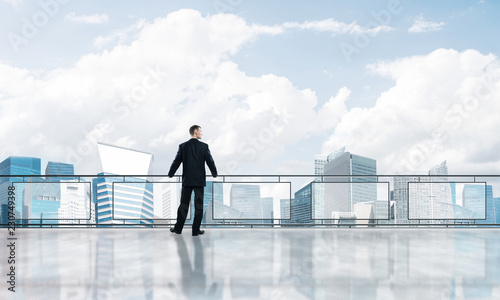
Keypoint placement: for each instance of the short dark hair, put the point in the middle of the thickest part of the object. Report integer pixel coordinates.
(193, 128)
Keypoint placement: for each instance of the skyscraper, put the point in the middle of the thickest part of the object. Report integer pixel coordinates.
(223, 214)
(94, 198)
(441, 193)
(431, 197)
(209, 194)
(12, 166)
(216, 211)
(120, 202)
(341, 196)
(496, 204)
(42, 200)
(267, 209)
(301, 206)
(474, 197)
(58, 168)
(170, 197)
(490, 207)
(401, 198)
(246, 199)
(426, 199)
(318, 189)
(76, 205)
(319, 165)
(479, 199)
(285, 211)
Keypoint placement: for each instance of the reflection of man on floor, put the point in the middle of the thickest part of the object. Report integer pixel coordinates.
(194, 280)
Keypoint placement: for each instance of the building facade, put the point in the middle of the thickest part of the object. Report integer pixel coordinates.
(128, 200)
(12, 166)
(76, 203)
(300, 207)
(344, 192)
(67, 171)
(42, 201)
(246, 199)
(479, 199)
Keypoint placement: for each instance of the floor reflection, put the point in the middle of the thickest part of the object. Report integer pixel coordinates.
(257, 264)
(193, 281)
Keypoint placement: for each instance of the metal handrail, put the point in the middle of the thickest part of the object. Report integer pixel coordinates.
(460, 223)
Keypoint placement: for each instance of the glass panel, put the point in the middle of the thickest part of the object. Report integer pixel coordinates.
(446, 200)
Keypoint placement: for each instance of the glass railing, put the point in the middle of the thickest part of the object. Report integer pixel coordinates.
(109, 200)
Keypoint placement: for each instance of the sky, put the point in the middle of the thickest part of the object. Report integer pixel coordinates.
(272, 83)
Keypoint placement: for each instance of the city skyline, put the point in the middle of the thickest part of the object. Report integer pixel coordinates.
(406, 83)
(355, 142)
(67, 199)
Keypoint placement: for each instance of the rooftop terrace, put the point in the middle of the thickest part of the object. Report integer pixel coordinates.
(256, 263)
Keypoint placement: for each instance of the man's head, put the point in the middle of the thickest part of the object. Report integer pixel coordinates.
(195, 131)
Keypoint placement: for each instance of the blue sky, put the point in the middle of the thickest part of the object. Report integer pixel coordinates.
(272, 82)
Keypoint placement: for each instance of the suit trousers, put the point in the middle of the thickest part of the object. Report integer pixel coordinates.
(183, 209)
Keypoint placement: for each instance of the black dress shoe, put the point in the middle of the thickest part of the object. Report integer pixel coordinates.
(200, 232)
(172, 229)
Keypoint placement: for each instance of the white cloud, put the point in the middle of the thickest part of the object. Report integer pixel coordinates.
(121, 36)
(331, 112)
(336, 27)
(440, 108)
(423, 25)
(14, 3)
(90, 19)
(174, 72)
(164, 76)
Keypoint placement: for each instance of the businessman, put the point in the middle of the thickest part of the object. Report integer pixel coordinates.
(193, 155)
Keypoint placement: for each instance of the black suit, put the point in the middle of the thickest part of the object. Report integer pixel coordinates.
(193, 155)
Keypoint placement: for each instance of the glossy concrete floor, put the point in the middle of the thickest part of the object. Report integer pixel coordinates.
(249, 263)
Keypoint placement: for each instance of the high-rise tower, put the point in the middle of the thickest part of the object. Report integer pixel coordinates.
(13, 166)
(120, 202)
(340, 197)
(57, 168)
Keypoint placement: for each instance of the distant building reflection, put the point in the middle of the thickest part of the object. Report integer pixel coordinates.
(259, 264)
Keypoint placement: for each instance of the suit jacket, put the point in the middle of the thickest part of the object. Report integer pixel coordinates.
(193, 155)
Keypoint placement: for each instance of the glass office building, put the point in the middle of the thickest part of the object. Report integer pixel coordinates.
(267, 209)
(496, 205)
(42, 200)
(222, 214)
(301, 206)
(285, 211)
(479, 199)
(341, 195)
(57, 168)
(76, 203)
(124, 200)
(208, 196)
(490, 207)
(170, 199)
(246, 199)
(474, 199)
(318, 198)
(16, 165)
